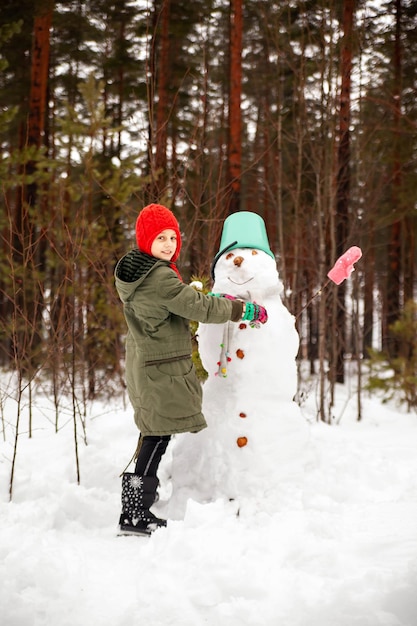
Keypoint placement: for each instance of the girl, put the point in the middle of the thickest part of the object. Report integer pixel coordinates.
(161, 380)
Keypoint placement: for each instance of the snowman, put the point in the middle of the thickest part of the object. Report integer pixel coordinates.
(255, 430)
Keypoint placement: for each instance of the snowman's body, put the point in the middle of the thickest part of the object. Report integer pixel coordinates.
(258, 355)
(248, 397)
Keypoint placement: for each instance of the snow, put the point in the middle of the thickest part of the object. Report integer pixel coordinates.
(340, 548)
(309, 524)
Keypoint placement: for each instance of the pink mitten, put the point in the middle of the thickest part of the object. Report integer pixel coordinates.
(344, 265)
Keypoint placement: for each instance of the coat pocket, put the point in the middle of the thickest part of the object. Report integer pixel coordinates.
(174, 389)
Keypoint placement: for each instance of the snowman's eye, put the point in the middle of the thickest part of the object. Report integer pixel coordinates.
(230, 255)
(254, 252)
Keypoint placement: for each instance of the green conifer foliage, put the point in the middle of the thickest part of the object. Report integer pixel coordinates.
(396, 376)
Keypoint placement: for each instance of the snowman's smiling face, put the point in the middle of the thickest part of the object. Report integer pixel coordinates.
(240, 275)
(243, 271)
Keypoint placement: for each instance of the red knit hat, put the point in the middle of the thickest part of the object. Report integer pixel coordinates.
(152, 220)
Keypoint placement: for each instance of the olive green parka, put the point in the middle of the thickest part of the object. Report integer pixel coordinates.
(161, 379)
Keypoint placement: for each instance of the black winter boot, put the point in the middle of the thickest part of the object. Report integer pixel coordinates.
(138, 495)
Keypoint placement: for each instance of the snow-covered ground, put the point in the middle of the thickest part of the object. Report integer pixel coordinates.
(339, 549)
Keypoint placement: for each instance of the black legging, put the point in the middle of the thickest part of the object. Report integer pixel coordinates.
(150, 454)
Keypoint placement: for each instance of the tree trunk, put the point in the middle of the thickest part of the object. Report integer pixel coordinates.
(29, 234)
(393, 293)
(235, 113)
(343, 178)
(162, 111)
(368, 296)
(39, 73)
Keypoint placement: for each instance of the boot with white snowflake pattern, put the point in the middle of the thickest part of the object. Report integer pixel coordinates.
(138, 495)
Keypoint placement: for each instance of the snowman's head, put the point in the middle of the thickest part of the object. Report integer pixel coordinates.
(247, 273)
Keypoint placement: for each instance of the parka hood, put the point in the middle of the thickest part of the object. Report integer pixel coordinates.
(131, 270)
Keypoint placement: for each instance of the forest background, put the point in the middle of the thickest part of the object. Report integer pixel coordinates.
(302, 111)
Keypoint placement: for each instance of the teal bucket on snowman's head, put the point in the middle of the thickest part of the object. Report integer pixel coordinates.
(243, 230)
